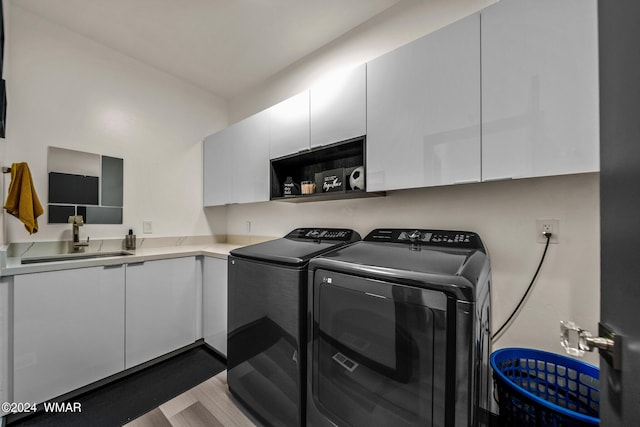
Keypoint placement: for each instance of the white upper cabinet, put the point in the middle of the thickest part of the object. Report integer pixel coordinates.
(289, 126)
(236, 163)
(539, 88)
(218, 152)
(338, 106)
(423, 111)
(250, 174)
(332, 110)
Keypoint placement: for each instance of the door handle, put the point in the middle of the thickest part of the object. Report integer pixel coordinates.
(576, 341)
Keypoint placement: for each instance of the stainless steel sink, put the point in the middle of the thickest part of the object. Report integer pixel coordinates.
(73, 256)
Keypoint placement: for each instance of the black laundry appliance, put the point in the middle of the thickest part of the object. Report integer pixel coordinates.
(400, 331)
(267, 295)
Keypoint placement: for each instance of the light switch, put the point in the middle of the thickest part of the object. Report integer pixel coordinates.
(147, 227)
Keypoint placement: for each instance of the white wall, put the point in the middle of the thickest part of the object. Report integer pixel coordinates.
(5, 342)
(67, 91)
(503, 213)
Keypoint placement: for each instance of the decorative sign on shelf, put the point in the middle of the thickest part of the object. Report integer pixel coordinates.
(331, 180)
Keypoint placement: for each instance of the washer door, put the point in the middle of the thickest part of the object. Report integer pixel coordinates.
(378, 352)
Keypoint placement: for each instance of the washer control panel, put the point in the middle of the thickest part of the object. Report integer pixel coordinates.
(340, 234)
(446, 238)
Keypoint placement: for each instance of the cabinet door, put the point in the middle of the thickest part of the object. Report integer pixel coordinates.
(217, 168)
(423, 111)
(250, 165)
(5, 333)
(338, 107)
(539, 88)
(214, 291)
(160, 308)
(68, 330)
(289, 126)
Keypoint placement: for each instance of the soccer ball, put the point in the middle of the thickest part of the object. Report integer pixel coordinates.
(356, 179)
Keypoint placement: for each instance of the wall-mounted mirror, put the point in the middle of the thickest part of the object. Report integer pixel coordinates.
(84, 184)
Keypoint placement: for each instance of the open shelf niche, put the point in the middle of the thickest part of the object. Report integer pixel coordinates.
(338, 159)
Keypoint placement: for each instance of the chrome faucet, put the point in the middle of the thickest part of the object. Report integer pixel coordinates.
(77, 222)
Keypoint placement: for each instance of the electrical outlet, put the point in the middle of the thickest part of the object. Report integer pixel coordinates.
(548, 225)
(147, 227)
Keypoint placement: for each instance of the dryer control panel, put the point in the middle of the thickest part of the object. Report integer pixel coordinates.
(335, 234)
(446, 238)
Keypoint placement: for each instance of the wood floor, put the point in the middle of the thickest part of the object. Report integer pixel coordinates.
(207, 405)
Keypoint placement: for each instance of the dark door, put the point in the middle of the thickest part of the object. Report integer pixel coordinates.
(619, 33)
(379, 352)
(264, 363)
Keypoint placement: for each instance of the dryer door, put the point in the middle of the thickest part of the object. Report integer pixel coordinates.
(378, 353)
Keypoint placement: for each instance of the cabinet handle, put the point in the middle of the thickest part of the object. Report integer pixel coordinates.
(466, 181)
(500, 178)
(132, 264)
(112, 266)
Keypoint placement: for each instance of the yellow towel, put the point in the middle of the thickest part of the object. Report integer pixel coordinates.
(22, 200)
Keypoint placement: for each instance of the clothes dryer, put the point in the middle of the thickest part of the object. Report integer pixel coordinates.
(399, 331)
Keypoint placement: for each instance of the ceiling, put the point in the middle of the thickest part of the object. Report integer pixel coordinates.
(224, 46)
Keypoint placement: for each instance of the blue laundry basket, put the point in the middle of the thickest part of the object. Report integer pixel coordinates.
(537, 388)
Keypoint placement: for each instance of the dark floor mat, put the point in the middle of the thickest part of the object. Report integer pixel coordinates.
(128, 398)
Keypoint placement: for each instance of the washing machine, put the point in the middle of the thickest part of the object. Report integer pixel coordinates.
(399, 331)
(267, 294)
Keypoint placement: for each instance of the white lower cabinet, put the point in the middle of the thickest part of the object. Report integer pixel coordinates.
(160, 308)
(68, 330)
(5, 333)
(74, 327)
(214, 290)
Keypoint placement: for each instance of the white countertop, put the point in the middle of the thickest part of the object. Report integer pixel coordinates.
(12, 266)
